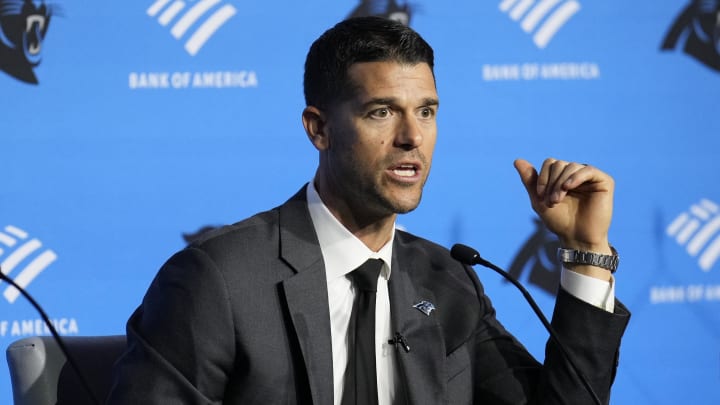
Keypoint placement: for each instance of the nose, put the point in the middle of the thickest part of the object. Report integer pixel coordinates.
(409, 133)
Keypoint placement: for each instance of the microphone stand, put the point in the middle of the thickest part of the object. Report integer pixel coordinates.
(468, 255)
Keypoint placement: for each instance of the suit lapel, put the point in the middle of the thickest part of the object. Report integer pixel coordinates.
(423, 368)
(306, 295)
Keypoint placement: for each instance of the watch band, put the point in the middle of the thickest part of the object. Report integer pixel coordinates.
(607, 262)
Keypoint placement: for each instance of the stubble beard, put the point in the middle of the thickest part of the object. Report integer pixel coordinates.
(370, 195)
(379, 194)
(377, 197)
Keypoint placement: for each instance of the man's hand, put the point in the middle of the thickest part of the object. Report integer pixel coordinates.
(575, 202)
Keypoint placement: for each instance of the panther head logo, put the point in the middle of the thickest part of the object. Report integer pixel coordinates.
(191, 237)
(539, 256)
(23, 25)
(389, 9)
(699, 27)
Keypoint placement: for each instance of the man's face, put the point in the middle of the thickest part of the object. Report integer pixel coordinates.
(380, 141)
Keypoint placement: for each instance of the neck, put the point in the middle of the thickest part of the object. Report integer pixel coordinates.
(373, 230)
(374, 235)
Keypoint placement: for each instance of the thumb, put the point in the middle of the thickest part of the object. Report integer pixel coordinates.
(528, 176)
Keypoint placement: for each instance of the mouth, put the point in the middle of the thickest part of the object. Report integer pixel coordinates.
(406, 172)
(34, 26)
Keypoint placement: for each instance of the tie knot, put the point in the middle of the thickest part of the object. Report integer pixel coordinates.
(365, 277)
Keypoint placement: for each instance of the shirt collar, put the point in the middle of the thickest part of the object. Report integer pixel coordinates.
(341, 250)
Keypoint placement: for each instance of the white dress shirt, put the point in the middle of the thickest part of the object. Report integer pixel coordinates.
(342, 253)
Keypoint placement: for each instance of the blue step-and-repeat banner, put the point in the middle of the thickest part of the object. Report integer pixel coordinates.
(128, 127)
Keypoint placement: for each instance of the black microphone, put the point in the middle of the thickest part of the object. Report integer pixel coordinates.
(55, 335)
(471, 257)
(399, 340)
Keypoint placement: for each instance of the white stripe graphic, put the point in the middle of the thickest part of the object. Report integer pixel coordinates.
(19, 255)
(16, 232)
(677, 224)
(710, 256)
(688, 231)
(548, 30)
(520, 9)
(506, 4)
(6, 240)
(29, 273)
(536, 14)
(208, 28)
(709, 205)
(191, 16)
(699, 212)
(156, 7)
(3, 270)
(700, 229)
(171, 12)
(702, 237)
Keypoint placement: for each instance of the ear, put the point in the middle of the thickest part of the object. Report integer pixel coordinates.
(315, 123)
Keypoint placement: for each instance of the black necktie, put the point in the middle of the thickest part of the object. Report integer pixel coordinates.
(360, 376)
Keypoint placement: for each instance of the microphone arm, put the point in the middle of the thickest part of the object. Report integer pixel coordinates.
(469, 256)
(55, 334)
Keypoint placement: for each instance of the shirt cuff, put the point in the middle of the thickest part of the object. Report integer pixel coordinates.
(595, 292)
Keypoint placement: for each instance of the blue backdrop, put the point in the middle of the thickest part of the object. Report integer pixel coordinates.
(124, 126)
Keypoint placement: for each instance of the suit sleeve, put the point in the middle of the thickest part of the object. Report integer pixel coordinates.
(504, 372)
(180, 339)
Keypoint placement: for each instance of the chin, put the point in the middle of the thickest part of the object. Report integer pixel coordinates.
(405, 210)
(405, 206)
(396, 201)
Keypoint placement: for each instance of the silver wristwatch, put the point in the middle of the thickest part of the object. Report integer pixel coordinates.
(607, 262)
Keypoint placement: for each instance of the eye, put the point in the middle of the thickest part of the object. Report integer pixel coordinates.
(380, 113)
(427, 112)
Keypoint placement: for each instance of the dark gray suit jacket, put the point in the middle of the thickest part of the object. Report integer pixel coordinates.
(241, 317)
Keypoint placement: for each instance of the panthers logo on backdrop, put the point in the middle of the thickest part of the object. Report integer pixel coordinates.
(191, 237)
(23, 25)
(697, 30)
(539, 256)
(383, 8)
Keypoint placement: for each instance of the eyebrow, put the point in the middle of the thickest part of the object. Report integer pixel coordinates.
(426, 102)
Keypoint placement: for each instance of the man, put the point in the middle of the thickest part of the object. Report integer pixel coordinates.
(261, 312)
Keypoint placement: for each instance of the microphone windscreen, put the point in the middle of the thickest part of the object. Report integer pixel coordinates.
(465, 254)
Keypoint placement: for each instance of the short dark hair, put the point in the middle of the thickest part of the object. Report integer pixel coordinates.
(361, 39)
